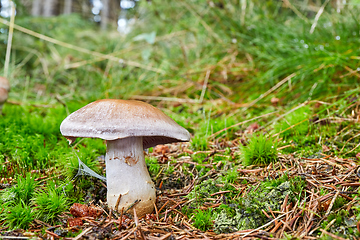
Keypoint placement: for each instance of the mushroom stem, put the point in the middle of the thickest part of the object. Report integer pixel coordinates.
(127, 175)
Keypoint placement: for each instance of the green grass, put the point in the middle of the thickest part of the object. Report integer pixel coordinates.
(294, 124)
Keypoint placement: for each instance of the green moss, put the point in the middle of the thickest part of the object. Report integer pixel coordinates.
(202, 219)
(265, 198)
(231, 176)
(204, 190)
(21, 192)
(31, 141)
(50, 203)
(153, 165)
(19, 216)
(260, 150)
(199, 142)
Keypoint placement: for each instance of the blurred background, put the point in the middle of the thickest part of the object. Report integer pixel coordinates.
(231, 51)
(103, 12)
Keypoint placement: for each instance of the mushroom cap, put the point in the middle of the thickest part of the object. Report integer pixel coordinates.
(112, 119)
(4, 83)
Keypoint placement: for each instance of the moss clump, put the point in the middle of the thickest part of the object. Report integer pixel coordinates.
(260, 150)
(202, 193)
(202, 220)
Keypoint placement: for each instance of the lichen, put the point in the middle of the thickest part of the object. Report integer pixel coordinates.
(224, 224)
(344, 226)
(7, 195)
(205, 189)
(248, 214)
(265, 199)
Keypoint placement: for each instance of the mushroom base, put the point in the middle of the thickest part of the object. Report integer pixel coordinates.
(127, 177)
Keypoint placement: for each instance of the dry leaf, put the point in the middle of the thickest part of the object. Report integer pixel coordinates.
(275, 101)
(161, 149)
(325, 148)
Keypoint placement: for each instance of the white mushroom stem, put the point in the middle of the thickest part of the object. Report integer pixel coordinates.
(127, 177)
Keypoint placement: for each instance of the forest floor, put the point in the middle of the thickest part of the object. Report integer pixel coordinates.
(271, 100)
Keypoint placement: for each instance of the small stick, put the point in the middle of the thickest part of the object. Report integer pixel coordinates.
(117, 202)
(9, 42)
(267, 215)
(121, 217)
(82, 234)
(205, 25)
(283, 207)
(128, 235)
(328, 226)
(352, 149)
(156, 211)
(317, 17)
(58, 98)
(165, 236)
(204, 86)
(52, 234)
(136, 219)
(169, 99)
(297, 12)
(276, 222)
(164, 205)
(277, 225)
(13, 237)
(332, 203)
(132, 205)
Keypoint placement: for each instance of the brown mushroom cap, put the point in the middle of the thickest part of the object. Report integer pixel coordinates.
(4, 83)
(112, 119)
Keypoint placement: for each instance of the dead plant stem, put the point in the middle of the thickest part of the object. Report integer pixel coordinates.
(9, 41)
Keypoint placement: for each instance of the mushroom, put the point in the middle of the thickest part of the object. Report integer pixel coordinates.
(128, 127)
(4, 91)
